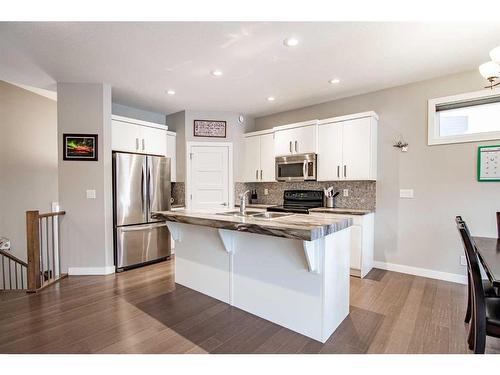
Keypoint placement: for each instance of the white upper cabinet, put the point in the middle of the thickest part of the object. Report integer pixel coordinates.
(171, 153)
(259, 157)
(267, 164)
(138, 136)
(252, 159)
(347, 147)
(299, 138)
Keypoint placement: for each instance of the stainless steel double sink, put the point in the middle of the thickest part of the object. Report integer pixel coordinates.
(266, 215)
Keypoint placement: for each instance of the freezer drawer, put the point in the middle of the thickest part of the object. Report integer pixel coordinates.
(138, 244)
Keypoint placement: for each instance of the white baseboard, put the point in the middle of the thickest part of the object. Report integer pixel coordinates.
(84, 271)
(424, 272)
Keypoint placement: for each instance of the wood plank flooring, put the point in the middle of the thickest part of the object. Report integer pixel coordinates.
(143, 311)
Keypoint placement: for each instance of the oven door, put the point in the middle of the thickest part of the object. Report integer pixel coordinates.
(296, 168)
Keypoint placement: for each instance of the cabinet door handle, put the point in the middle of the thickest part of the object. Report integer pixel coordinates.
(338, 171)
(345, 171)
(143, 144)
(137, 143)
(256, 174)
(291, 147)
(261, 174)
(296, 146)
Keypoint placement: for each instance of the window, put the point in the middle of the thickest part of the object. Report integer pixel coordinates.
(467, 117)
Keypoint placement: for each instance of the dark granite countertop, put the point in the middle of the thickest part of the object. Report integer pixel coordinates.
(296, 226)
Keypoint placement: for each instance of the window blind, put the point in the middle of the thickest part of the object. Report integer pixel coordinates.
(467, 103)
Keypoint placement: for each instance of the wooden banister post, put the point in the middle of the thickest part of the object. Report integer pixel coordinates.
(33, 243)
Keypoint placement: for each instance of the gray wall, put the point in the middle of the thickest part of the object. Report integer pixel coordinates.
(176, 122)
(87, 228)
(182, 124)
(139, 114)
(417, 232)
(28, 160)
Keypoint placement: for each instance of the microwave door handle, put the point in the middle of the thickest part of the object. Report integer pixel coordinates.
(304, 169)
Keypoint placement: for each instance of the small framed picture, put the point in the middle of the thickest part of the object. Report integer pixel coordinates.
(80, 147)
(209, 128)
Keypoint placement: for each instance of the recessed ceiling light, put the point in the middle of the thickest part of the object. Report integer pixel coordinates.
(171, 92)
(271, 98)
(291, 42)
(216, 72)
(333, 81)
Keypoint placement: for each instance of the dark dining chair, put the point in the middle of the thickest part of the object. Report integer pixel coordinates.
(489, 290)
(498, 224)
(485, 311)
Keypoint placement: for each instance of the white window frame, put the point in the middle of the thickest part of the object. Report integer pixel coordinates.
(433, 136)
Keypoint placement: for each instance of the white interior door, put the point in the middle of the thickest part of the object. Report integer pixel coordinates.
(209, 177)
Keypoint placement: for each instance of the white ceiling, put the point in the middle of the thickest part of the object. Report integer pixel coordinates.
(143, 60)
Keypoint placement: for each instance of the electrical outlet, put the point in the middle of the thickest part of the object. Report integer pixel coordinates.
(463, 261)
(266, 191)
(406, 193)
(345, 192)
(90, 194)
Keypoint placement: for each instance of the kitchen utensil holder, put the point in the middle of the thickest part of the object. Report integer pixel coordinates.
(329, 202)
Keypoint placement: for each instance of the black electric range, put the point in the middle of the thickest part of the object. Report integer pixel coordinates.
(299, 201)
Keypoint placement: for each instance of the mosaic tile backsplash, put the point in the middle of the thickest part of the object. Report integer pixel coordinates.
(361, 193)
(178, 193)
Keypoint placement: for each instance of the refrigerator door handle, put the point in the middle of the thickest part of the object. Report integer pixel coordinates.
(138, 228)
(150, 189)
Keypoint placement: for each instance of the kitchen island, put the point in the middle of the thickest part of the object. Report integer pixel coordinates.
(292, 270)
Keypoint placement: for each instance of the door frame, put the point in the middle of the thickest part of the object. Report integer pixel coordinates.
(230, 181)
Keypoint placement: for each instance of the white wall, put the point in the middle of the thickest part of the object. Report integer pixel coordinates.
(87, 228)
(417, 232)
(176, 122)
(28, 160)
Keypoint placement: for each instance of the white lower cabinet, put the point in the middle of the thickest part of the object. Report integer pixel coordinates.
(362, 241)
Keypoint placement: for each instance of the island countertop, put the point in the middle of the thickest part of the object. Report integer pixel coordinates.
(297, 226)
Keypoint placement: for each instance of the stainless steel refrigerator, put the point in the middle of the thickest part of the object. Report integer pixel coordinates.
(141, 185)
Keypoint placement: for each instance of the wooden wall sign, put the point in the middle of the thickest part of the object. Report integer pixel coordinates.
(209, 128)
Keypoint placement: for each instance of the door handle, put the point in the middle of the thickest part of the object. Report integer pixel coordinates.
(143, 144)
(223, 204)
(296, 146)
(137, 143)
(256, 174)
(291, 147)
(338, 171)
(345, 171)
(261, 174)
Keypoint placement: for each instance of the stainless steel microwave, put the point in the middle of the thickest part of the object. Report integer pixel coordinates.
(296, 167)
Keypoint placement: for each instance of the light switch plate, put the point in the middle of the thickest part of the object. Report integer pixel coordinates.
(345, 192)
(90, 194)
(266, 192)
(406, 193)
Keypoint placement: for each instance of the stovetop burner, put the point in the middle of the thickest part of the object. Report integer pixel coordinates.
(299, 201)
